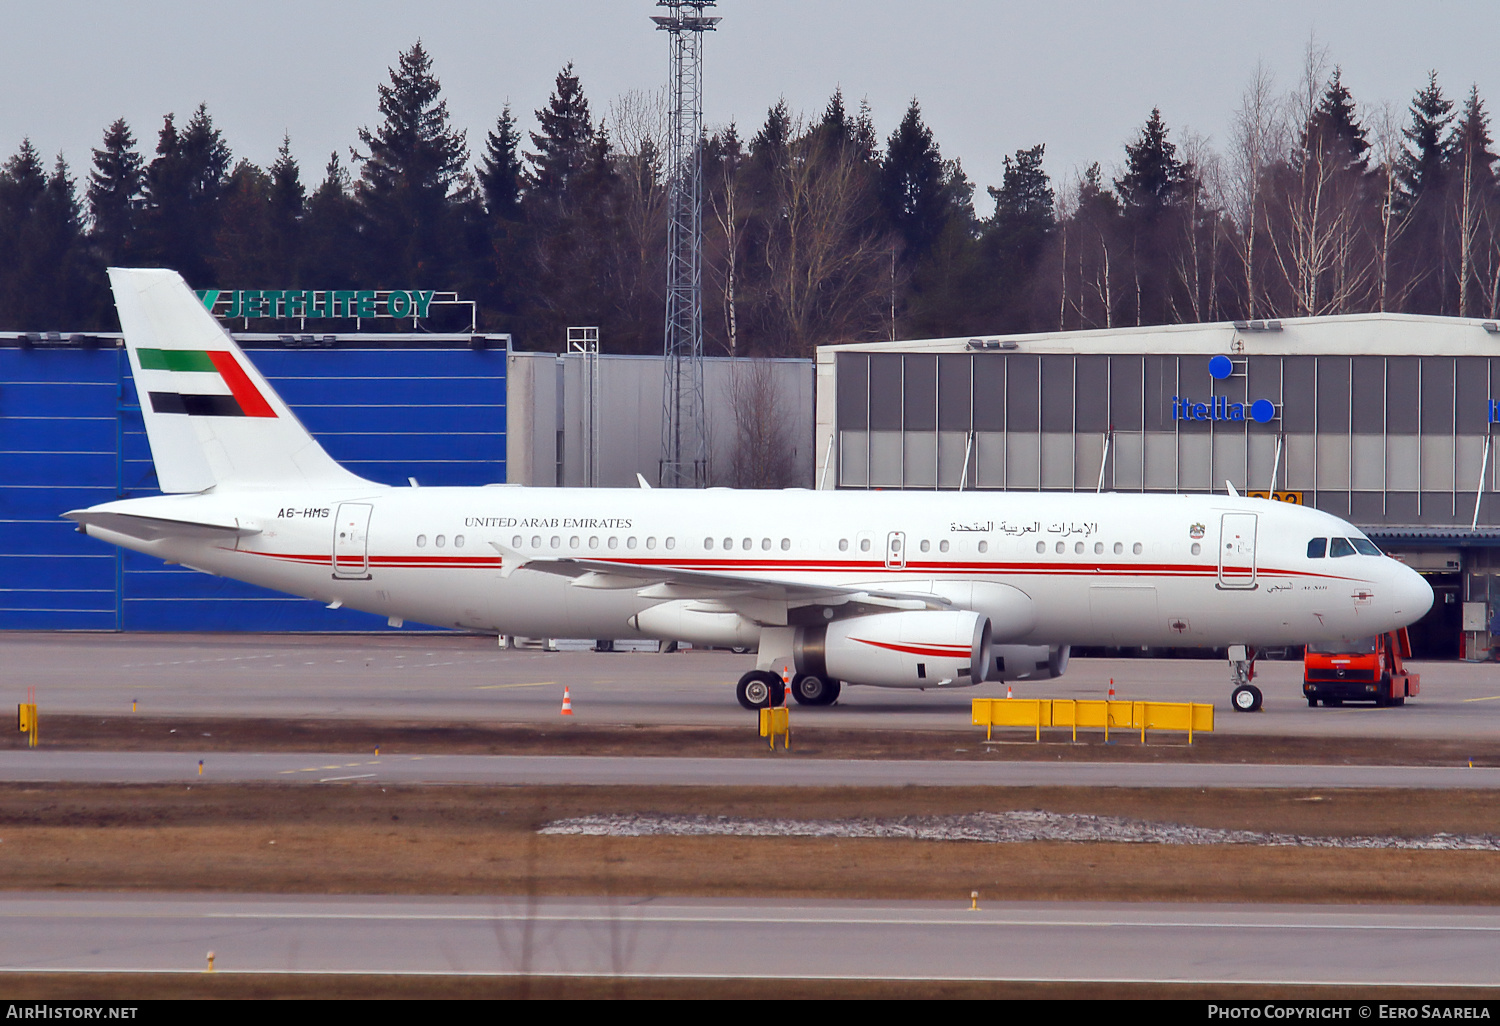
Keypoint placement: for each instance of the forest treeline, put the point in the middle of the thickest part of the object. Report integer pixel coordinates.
(815, 229)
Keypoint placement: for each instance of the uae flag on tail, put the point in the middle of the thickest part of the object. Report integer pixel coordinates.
(202, 383)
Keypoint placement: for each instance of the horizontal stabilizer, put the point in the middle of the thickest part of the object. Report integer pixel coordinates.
(154, 528)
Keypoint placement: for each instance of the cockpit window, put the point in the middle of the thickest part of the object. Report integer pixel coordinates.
(1340, 547)
(1365, 547)
(1316, 548)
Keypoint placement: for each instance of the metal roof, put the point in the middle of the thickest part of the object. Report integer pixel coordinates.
(1377, 334)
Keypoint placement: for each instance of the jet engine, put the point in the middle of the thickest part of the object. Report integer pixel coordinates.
(1027, 662)
(914, 649)
(687, 620)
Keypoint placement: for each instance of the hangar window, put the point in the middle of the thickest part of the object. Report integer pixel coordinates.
(1078, 548)
(1317, 548)
(1197, 549)
(926, 545)
(786, 545)
(1119, 548)
(458, 541)
(421, 541)
(943, 546)
(843, 544)
(1340, 547)
(1041, 547)
(1137, 548)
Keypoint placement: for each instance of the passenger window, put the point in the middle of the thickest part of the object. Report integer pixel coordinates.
(1078, 548)
(728, 544)
(1098, 548)
(651, 543)
(864, 545)
(614, 542)
(1316, 548)
(765, 544)
(843, 544)
(943, 546)
(984, 546)
(1197, 549)
(630, 542)
(536, 541)
(1339, 547)
(671, 543)
(747, 544)
(1041, 547)
(573, 542)
(556, 541)
(1061, 548)
(708, 543)
(515, 542)
(421, 541)
(1119, 548)
(786, 545)
(438, 541)
(926, 545)
(1137, 548)
(458, 541)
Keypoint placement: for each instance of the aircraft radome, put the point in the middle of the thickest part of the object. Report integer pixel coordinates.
(891, 589)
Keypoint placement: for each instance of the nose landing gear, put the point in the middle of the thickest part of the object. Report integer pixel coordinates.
(1245, 697)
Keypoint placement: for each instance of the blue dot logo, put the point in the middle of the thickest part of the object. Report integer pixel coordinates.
(1220, 367)
(1263, 411)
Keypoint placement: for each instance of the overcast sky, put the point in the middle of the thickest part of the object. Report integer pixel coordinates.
(1080, 76)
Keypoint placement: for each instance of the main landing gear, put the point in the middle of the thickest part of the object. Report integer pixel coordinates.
(1245, 697)
(760, 689)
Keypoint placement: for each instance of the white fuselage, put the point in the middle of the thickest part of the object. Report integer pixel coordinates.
(1110, 569)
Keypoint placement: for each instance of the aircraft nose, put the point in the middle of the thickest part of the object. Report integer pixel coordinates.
(1412, 593)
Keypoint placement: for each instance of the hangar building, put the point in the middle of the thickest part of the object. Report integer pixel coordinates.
(1384, 419)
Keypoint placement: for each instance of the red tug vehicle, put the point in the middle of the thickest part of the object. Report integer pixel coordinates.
(1368, 669)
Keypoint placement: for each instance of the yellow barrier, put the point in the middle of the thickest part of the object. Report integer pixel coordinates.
(1092, 713)
(775, 722)
(26, 715)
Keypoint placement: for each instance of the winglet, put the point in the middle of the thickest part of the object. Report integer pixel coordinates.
(642, 480)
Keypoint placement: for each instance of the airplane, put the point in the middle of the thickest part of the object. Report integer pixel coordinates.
(889, 589)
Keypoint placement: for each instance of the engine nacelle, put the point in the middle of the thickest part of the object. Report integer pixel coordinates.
(688, 621)
(915, 649)
(1027, 662)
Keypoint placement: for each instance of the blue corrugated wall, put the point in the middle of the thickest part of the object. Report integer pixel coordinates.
(71, 436)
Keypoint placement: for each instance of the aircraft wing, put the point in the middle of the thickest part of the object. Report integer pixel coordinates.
(731, 590)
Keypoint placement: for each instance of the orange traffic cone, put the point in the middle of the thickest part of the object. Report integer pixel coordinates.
(786, 685)
(1007, 692)
(567, 709)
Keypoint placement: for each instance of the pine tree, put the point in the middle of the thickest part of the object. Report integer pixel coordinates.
(563, 146)
(1334, 121)
(1474, 208)
(414, 162)
(1154, 177)
(113, 192)
(911, 184)
(500, 171)
(330, 233)
(42, 280)
(1025, 199)
(287, 200)
(1423, 163)
(184, 185)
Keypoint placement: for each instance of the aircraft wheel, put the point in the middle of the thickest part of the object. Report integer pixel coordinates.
(1246, 698)
(760, 689)
(811, 689)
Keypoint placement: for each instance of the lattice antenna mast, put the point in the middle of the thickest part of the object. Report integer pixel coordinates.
(684, 442)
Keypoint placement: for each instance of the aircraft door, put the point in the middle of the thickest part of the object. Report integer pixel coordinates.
(895, 550)
(1237, 550)
(351, 540)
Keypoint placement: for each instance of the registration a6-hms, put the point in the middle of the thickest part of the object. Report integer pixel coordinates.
(891, 589)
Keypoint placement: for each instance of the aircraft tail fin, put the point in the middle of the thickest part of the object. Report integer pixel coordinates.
(211, 418)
